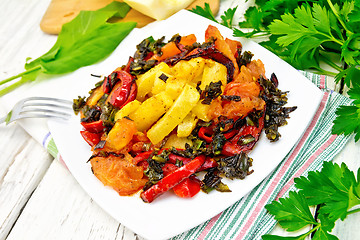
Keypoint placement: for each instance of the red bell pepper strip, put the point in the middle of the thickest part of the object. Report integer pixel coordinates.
(209, 163)
(93, 127)
(141, 157)
(121, 91)
(107, 86)
(204, 133)
(232, 147)
(91, 138)
(188, 188)
(168, 168)
(132, 94)
(172, 179)
(174, 157)
(127, 67)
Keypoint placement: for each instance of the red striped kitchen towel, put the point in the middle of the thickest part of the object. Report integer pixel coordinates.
(248, 219)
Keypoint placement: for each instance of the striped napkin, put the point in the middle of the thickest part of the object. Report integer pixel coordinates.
(248, 219)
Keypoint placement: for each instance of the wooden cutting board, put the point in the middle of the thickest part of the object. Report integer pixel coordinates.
(63, 11)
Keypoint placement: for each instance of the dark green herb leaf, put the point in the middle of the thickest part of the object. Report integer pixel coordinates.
(350, 75)
(212, 181)
(78, 104)
(154, 172)
(205, 12)
(228, 17)
(293, 212)
(211, 91)
(333, 187)
(237, 166)
(276, 114)
(348, 119)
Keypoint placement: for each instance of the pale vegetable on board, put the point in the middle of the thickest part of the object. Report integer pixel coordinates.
(158, 9)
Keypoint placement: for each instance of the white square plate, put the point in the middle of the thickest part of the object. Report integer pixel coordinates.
(169, 215)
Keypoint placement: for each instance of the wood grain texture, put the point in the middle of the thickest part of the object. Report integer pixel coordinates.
(23, 163)
(39, 198)
(60, 204)
(63, 11)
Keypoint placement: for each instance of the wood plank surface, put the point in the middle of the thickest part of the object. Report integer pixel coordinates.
(39, 198)
(23, 166)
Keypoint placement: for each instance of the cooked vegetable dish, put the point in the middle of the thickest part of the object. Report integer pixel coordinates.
(176, 109)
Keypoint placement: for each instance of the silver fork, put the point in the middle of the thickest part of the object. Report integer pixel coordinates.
(39, 107)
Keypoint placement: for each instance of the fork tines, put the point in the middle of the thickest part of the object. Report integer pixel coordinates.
(45, 107)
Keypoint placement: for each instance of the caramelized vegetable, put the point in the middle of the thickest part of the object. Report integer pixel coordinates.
(221, 45)
(177, 109)
(121, 134)
(119, 173)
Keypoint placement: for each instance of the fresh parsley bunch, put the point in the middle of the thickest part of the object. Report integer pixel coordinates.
(313, 34)
(334, 189)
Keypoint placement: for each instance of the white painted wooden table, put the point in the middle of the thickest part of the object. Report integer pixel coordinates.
(39, 198)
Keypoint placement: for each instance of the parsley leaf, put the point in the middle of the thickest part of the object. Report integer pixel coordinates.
(227, 17)
(306, 30)
(292, 213)
(205, 12)
(333, 187)
(322, 232)
(348, 117)
(351, 76)
(336, 191)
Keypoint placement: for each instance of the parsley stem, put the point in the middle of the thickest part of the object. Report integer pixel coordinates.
(337, 15)
(331, 63)
(18, 83)
(20, 75)
(354, 211)
(312, 230)
(325, 72)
